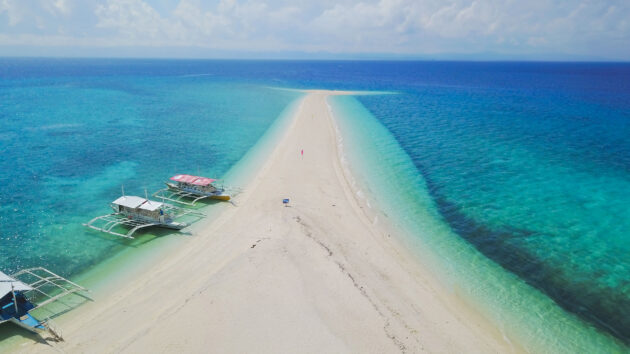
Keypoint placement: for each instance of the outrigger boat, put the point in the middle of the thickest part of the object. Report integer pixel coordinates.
(139, 213)
(191, 187)
(38, 288)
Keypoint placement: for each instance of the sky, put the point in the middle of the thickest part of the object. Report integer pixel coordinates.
(425, 29)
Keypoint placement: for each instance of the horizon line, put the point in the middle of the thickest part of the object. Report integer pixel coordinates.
(324, 59)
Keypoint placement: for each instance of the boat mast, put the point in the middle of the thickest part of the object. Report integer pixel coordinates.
(14, 299)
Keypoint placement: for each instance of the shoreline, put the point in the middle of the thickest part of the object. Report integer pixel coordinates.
(477, 284)
(125, 266)
(318, 275)
(406, 243)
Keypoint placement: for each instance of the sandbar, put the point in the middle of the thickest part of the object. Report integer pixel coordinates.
(311, 276)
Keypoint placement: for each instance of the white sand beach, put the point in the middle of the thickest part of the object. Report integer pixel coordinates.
(315, 276)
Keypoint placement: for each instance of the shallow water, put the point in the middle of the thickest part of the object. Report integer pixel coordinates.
(516, 169)
(537, 180)
(386, 177)
(69, 143)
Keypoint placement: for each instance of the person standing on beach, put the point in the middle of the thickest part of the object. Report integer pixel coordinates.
(302, 152)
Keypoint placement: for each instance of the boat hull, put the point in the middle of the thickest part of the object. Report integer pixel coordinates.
(163, 224)
(29, 323)
(223, 197)
(173, 225)
(218, 195)
(157, 223)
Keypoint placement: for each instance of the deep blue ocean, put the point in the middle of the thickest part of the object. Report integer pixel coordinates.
(527, 162)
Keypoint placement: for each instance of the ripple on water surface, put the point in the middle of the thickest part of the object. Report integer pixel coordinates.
(511, 205)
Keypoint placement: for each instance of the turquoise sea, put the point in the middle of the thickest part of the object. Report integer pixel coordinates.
(511, 179)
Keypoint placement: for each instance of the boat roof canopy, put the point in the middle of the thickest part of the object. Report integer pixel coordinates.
(196, 180)
(5, 285)
(134, 202)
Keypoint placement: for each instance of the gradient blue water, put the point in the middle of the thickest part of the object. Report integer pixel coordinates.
(527, 162)
(534, 174)
(386, 176)
(69, 142)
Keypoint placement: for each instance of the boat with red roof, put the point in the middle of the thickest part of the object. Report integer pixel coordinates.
(188, 189)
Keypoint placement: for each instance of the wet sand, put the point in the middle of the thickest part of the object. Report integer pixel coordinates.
(313, 276)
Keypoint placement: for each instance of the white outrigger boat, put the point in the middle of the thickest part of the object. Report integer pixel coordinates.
(31, 289)
(139, 213)
(191, 187)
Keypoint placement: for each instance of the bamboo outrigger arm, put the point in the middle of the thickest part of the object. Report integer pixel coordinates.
(177, 196)
(31, 289)
(43, 277)
(117, 219)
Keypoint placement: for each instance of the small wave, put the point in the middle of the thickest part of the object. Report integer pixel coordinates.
(196, 75)
(53, 127)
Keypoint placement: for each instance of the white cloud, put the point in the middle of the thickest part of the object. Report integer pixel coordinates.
(12, 10)
(199, 23)
(58, 7)
(580, 27)
(133, 19)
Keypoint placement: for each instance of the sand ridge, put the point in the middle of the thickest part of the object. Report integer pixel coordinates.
(315, 276)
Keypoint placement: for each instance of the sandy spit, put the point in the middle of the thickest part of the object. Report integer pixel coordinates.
(315, 276)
